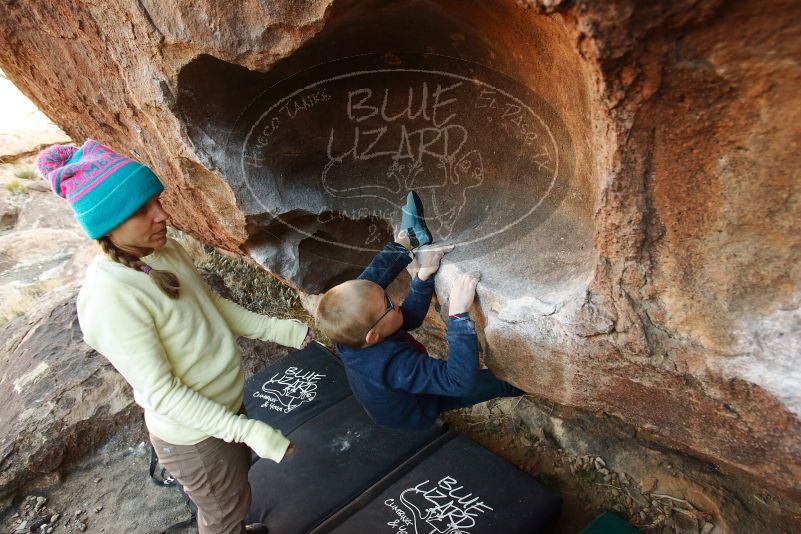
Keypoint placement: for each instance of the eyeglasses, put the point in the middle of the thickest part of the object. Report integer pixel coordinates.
(390, 307)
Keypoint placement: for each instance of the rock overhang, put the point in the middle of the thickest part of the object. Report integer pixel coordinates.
(322, 149)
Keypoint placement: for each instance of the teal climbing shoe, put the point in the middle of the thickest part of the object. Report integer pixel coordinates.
(412, 221)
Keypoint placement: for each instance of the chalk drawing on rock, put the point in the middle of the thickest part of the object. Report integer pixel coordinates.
(484, 153)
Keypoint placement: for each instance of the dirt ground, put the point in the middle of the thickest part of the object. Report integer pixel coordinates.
(109, 491)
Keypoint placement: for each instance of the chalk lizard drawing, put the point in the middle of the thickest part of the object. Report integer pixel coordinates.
(293, 387)
(439, 509)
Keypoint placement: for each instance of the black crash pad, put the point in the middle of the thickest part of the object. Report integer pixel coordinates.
(300, 386)
(460, 488)
(339, 454)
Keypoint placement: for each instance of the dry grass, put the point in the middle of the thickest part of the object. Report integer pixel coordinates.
(24, 299)
(25, 173)
(14, 187)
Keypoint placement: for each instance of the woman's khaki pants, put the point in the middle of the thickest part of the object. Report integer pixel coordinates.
(215, 476)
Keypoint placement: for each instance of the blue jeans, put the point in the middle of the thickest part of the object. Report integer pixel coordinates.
(487, 388)
(384, 268)
(387, 265)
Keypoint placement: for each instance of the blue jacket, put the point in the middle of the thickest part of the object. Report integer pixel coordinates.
(398, 384)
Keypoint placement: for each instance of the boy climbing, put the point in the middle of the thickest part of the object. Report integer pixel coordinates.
(390, 372)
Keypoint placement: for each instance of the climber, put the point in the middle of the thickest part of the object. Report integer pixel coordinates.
(145, 308)
(391, 374)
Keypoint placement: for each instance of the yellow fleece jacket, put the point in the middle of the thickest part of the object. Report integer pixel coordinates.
(180, 356)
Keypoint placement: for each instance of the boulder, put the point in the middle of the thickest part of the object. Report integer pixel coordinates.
(58, 397)
(41, 247)
(623, 173)
(26, 254)
(34, 261)
(43, 209)
(9, 213)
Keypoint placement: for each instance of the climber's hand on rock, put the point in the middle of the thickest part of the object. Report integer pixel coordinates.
(463, 292)
(429, 258)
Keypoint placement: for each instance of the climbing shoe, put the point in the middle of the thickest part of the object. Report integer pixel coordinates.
(412, 222)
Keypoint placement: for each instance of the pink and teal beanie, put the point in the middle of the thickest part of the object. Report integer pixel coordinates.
(103, 187)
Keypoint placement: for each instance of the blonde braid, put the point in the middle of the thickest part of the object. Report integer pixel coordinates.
(165, 280)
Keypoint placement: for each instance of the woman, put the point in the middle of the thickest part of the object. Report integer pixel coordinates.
(145, 308)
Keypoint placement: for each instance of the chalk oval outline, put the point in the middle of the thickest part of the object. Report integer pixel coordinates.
(280, 102)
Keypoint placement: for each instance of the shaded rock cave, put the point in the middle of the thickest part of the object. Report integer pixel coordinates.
(321, 150)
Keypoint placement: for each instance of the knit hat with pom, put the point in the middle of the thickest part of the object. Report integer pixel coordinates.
(104, 188)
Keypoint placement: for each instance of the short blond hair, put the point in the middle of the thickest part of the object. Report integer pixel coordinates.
(347, 311)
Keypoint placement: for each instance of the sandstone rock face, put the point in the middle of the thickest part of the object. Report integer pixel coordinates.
(623, 173)
(59, 398)
(41, 245)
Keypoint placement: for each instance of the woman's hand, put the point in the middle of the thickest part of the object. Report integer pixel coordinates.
(308, 339)
(265, 441)
(289, 452)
